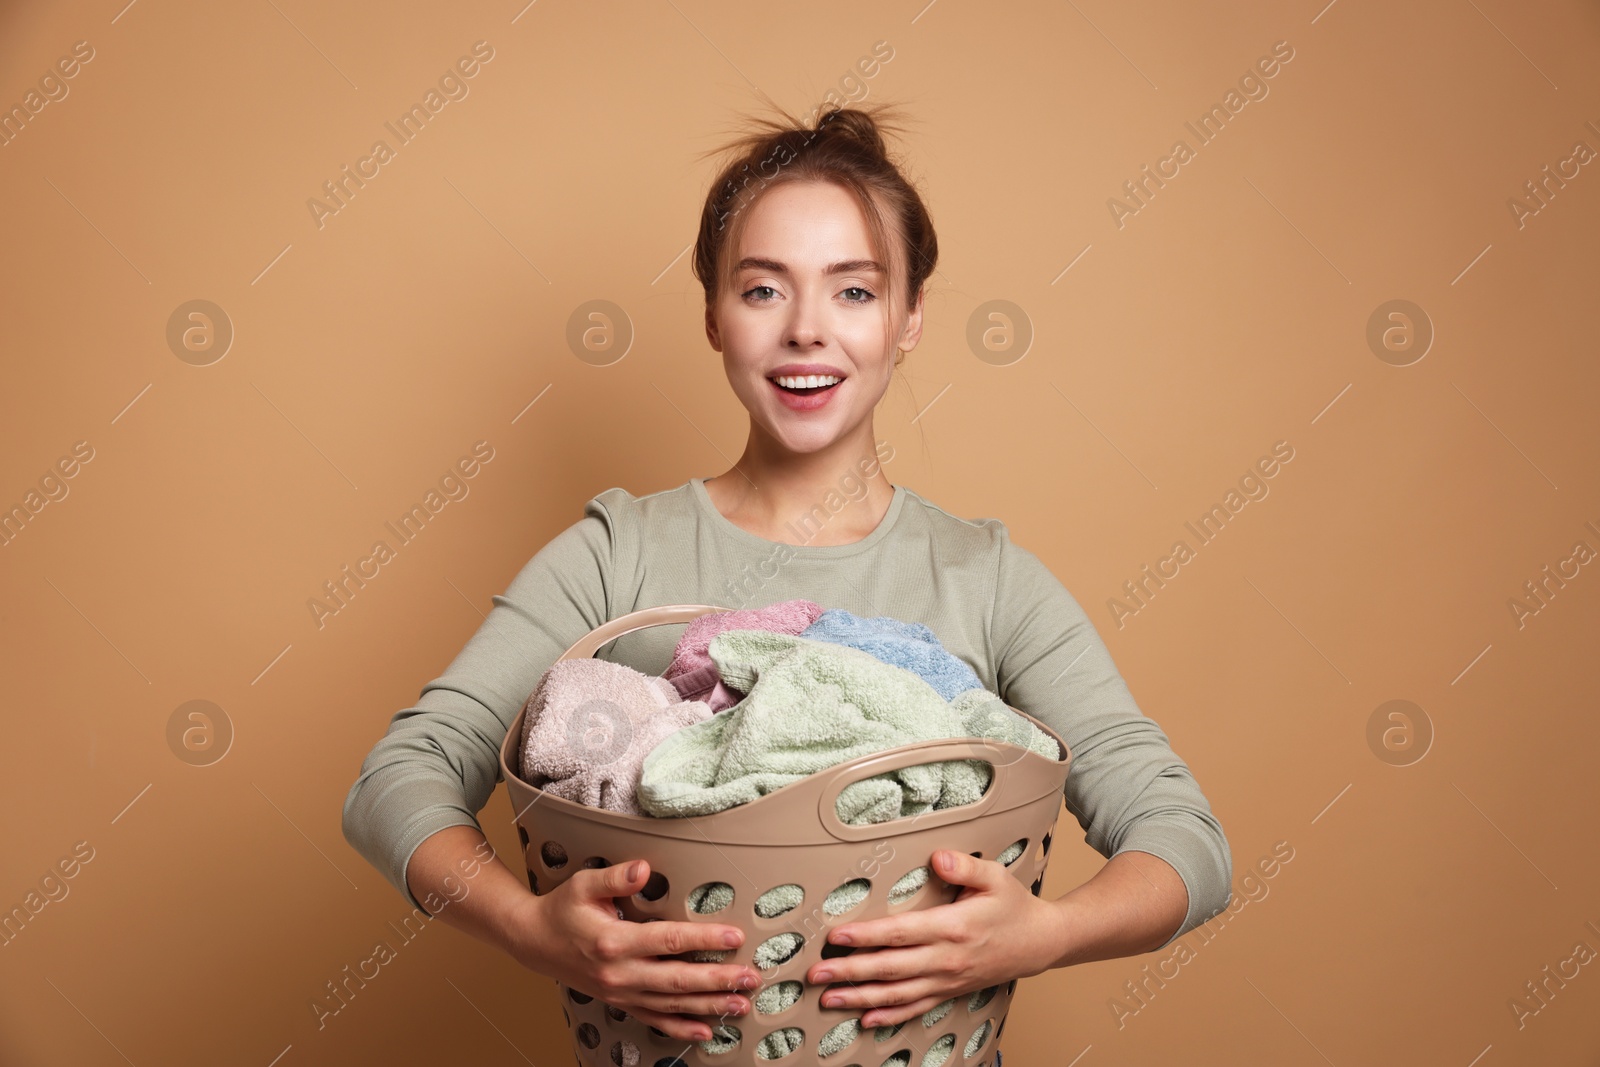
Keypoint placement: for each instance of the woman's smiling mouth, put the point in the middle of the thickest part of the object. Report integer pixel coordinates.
(805, 392)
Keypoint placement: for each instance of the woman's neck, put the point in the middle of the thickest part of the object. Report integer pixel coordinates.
(842, 494)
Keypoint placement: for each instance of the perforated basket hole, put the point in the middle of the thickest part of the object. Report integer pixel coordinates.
(1011, 987)
(616, 1014)
(579, 998)
(565, 1016)
(655, 887)
(846, 895)
(779, 900)
(937, 1012)
(658, 1032)
(1002, 1028)
(533, 883)
(980, 1000)
(839, 1038)
(792, 1036)
(884, 1033)
(780, 948)
(830, 951)
(724, 1038)
(670, 1061)
(899, 1059)
(979, 1036)
(775, 998)
(1044, 849)
(708, 898)
(588, 1035)
(1011, 852)
(939, 1051)
(909, 884)
(625, 1054)
(1038, 884)
(522, 835)
(595, 863)
(553, 855)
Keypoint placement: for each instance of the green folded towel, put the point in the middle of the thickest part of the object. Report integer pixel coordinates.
(811, 705)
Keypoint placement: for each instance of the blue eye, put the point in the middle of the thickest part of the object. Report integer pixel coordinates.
(763, 300)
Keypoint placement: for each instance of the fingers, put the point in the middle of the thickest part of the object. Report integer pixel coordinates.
(712, 1005)
(659, 938)
(889, 1015)
(617, 880)
(674, 1026)
(958, 868)
(927, 926)
(679, 977)
(879, 966)
(879, 995)
(638, 969)
(662, 991)
(669, 937)
(673, 988)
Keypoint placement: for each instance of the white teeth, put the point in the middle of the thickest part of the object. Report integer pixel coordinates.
(806, 381)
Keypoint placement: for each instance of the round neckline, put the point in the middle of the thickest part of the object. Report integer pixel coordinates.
(896, 503)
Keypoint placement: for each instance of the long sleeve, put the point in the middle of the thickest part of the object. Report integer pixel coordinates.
(1126, 786)
(439, 762)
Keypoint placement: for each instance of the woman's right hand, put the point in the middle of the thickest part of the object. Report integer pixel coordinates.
(573, 934)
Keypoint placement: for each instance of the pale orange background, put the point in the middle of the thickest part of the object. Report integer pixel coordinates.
(1229, 314)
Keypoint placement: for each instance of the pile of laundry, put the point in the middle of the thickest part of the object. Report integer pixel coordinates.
(756, 699)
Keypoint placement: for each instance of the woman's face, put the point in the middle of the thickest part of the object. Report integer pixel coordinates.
(806, 298)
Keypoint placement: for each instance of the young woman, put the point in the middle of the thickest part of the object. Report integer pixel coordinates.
(813, 251)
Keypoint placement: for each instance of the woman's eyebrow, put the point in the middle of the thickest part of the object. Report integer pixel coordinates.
(847, 266)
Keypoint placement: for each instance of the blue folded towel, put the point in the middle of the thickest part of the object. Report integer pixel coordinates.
(905, 644)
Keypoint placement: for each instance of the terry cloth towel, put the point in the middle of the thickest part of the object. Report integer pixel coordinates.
(813, 705)
(589, 725)
(691, 670)
(905, 644)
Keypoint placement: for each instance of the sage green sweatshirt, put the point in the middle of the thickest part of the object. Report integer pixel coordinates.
(991, 602)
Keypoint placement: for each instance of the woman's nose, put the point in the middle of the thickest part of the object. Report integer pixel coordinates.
(805, 326)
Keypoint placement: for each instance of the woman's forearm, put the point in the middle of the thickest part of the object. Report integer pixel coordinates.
(459, 878)
(1132, 905)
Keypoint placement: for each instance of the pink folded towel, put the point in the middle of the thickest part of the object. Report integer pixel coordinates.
(589, 725)
(691, 671)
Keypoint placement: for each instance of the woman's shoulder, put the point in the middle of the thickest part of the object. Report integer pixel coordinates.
(620, 506)
(982, 528)
(958, 537)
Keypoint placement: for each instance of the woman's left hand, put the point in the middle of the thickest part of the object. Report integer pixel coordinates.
(994, 931)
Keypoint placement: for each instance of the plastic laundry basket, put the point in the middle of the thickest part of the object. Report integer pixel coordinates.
(792, 835)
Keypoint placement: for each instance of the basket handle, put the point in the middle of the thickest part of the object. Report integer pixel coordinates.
(936, 751)
(666, 615)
